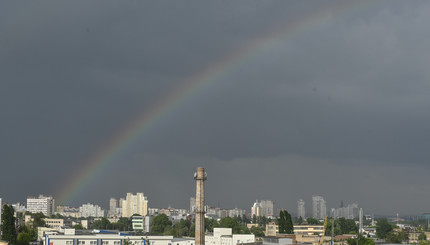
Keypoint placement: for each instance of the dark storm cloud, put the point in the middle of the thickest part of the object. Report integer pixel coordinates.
(349, 95)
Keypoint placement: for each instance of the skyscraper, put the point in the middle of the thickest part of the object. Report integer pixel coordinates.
(113, 205)
(256, 209)
(319, 208)
(301, 209)
(134, 204)
(266, 208)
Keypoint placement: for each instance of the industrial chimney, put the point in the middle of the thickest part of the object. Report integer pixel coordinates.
(200, 177)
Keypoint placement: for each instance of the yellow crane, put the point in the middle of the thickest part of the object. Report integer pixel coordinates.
(325, 226)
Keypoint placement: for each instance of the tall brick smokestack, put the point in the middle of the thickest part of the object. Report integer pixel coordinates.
(200, 177)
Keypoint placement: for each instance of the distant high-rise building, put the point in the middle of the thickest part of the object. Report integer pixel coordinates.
(135, 204)
(262, 208)
(256, 209)
(192, 205)
(301, 209)
(351, 211)
(266, 208)
(113, 206)
(319, 208)
(1, 208)
(41, 204)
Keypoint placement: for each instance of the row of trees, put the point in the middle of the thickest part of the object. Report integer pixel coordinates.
(123, 224)
(162, 225)
(341, 226)
(285, 223)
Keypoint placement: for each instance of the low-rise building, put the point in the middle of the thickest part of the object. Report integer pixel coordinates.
(70, 238)
(309, 229)
(271, 229)
(57, 223)
(224, 236)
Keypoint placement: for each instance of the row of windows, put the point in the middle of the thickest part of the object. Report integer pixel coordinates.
(105, 242)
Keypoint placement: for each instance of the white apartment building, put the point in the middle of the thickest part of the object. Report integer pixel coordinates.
(68, 211)
(1, 210)
(41, 204)
(236, 212)
(70, 238)
(301, 212)
(114, 209)
(319, 208)
(134, 204)
(224, 236)
(91, 210)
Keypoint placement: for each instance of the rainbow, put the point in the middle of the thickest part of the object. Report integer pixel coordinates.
(107, 153)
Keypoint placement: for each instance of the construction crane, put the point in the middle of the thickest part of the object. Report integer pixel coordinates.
(325, 227)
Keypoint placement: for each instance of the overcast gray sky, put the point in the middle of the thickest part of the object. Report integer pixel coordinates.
(336, 104)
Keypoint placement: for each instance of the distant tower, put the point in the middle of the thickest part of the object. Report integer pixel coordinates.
(200, 177)
(301, 209)
(319, 208)
(360, 218)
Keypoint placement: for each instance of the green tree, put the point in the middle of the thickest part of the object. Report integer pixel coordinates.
(285, 222)
(8, 224)
(424, 242)
(282, 222)
(229, 222)
(160, 224)
(245, 219)
(38, 220)
(123, 224)
(258, 231)
(403, 236)
(312, 221)
(361, 241)
(392, 237)
(383, 227)
(78, 227)
(102, 223)
(26, 235)
(347, 226)
(422, 236)
(209, 223)
(180, 229)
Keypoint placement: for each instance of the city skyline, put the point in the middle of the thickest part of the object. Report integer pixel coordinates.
(278, 100)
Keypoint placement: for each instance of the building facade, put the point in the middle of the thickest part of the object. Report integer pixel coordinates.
(70, 238)
(41, 204)
(91, 210)
(301, 212)
(319, 208)
(134, 204)
(224, 236)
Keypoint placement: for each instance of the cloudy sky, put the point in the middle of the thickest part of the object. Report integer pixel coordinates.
(280, 100)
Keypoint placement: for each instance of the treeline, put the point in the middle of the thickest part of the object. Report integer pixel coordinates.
(162, 225)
